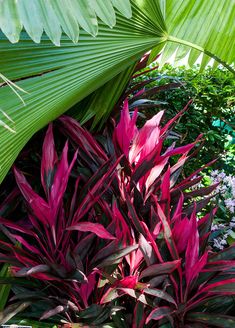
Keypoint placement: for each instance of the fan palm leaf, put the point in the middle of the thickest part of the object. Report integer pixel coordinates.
(56, 78)
(198, 26)
(36, 16)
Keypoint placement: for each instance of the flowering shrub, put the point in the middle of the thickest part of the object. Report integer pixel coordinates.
(223, 227)
(226, 190)
(113, 238)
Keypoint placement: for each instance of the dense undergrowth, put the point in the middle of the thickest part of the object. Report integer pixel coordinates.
(108, 233)
(212, 111)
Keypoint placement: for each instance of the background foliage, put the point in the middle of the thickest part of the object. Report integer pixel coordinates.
(211, 113)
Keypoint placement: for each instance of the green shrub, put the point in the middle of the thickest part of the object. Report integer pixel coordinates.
(211, 113)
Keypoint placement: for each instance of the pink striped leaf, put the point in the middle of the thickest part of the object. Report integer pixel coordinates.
(139, 316)
(39, 207)
(49, 160)
(83, 139)
(159, 293)
(219, 266)
(159, 269)
(125, 129)
(165, 193)
(192, 250)
(223, 287)
(159, 313)
(167, 231)
(60, 183)
(147, 138)
(95, 228)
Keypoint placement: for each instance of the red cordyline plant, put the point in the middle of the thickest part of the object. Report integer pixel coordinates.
(144, 158)
(174, 279)
(126, 249)
(177, 258)
(62, 244)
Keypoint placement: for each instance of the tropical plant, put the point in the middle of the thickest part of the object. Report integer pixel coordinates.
(176, 279)
(53, 248)
(186, 284)
(182, 280)
(57, 78)
(62, 243)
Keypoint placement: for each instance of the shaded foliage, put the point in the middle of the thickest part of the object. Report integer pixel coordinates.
(211, 113)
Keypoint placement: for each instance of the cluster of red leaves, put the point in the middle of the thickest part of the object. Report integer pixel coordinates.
(127, 246)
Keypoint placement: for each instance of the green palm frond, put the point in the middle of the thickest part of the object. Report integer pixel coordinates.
(196, 26)
(57, 16)
(56, 78)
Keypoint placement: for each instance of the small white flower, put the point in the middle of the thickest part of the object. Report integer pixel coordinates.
(221, 175)
(232, 224)
(223, 242)
(214, 227)
(217, 244)
(221, 226)
(214, 173)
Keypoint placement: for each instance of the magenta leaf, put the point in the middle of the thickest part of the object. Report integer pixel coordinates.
(159, 313)
(155, 173)
(105, 251)
(172, 121)
(226, 254)
(60, 183)
(125, 129)
(223, 287)
(146, 139)
(127, 282)
(192, 251)
(145, 166)
(86, 289)
(39, 207)
(147, 250)
(133, 215)
(219, 266)
(197, 268)
(159, 294)
(95, 228)
(117, 256)
(49, 160)
(181, 233)
(165, 197)
(31, 248)
(167, 231)
(110, 295)
(139, 316)
(179, 150)
(159, 269)
(52, 312)
(96, 191)
(83, 139)
(30, 271)
(201, 192)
